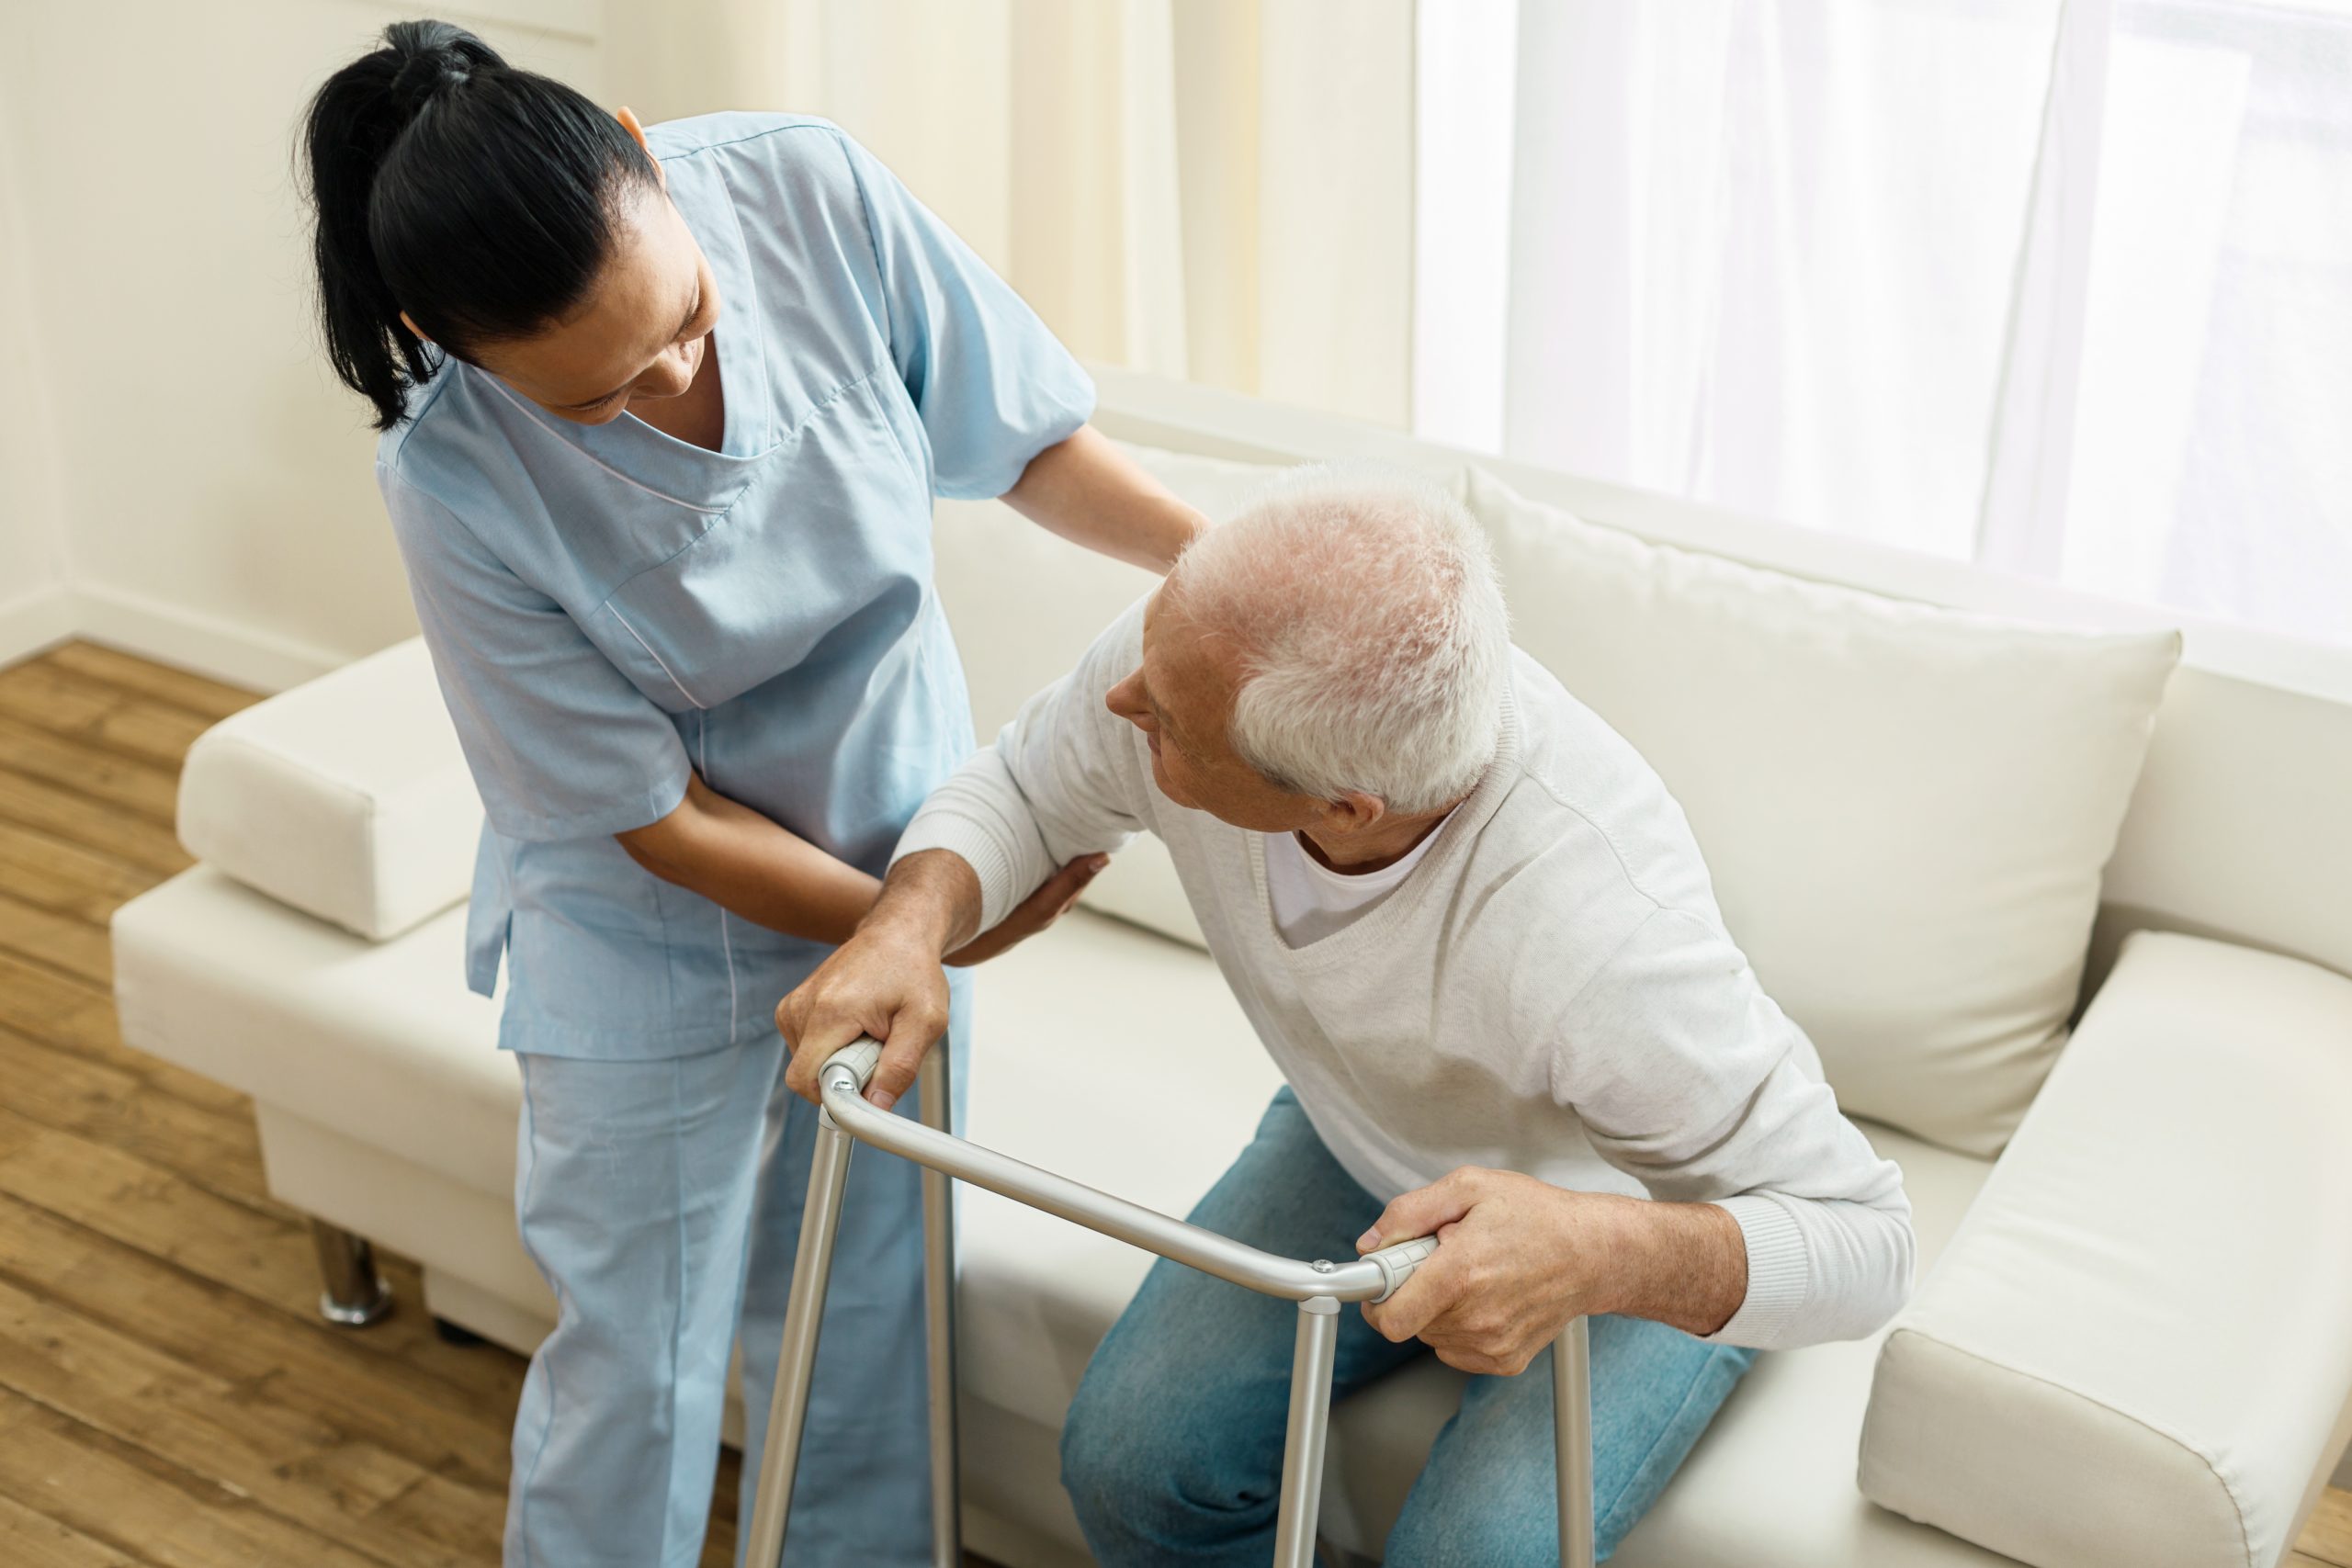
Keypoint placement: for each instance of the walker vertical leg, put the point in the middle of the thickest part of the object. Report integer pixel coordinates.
(803, 1313)
(1310, 1419)
(1572, 1438)
(936, 1106)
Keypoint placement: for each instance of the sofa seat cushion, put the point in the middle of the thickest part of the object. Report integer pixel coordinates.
(345, 797)
(1116, 1057)
(1904, 808)
(379, 1041)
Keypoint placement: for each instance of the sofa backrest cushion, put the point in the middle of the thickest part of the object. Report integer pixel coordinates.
(347, 797)
(1904, 808)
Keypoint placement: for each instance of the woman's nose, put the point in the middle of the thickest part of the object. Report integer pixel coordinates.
(671, 375)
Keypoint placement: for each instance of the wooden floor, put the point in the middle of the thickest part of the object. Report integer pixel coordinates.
(168, 1396)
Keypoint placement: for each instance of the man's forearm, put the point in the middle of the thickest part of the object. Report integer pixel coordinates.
(1682, 1264)
(931, 898)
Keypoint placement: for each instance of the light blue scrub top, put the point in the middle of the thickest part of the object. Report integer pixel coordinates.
(608, 607)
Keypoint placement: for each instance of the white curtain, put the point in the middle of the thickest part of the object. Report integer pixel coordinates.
(2060, 286)
(1218, 190)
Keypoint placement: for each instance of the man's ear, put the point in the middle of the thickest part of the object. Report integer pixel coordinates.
(627, 117)
(1354, 812)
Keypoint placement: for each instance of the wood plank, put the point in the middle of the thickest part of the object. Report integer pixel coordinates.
(75, 947)
(303, 1362)
(719, 1544)
(139, 1504)
(98, 714)
(2328, 1535)
(72, 1093)
(66, 879)
(265, 1255)
(214, 700)
(93, 824)
(146, 789)
(73, 1015)
(28, 1540)
(296, 1466)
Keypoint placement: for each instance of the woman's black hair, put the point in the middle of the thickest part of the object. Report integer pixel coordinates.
(477, 197)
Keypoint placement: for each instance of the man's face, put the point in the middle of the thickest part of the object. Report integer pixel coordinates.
(1181, 698)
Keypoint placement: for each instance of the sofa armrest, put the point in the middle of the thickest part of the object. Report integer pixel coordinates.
(347, 797)
(2138, 1349)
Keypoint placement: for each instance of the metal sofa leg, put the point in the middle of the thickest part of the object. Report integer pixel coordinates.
(355, 1295)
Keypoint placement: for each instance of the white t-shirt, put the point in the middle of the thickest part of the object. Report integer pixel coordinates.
(1311, 901)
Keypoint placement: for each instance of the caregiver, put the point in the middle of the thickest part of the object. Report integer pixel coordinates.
(663, 413)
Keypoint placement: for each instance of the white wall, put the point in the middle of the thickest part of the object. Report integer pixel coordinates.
(34, 606)
(218, 492)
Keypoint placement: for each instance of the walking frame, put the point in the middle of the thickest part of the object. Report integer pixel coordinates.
(1317, 1287)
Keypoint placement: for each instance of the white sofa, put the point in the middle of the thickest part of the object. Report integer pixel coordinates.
(2132, 1342)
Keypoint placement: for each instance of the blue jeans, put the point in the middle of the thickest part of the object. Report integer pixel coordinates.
(1172, 1452)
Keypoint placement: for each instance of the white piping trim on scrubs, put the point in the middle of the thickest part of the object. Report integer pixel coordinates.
(498, 387)
(699, 704)
(725, 937)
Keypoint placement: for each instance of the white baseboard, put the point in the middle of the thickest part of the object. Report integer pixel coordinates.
(262, 662)
(35, 621)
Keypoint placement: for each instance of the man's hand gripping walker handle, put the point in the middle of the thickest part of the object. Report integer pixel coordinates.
(852, 1068)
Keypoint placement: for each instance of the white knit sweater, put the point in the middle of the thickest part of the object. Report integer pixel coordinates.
(1551, 990)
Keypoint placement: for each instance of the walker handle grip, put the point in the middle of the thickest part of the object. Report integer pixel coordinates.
(861, 1056)
(1398, 1262)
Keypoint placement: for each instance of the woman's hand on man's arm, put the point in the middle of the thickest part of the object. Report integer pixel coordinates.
(1090, 494)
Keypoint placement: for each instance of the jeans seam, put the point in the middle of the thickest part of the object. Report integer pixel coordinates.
(1603, 1518)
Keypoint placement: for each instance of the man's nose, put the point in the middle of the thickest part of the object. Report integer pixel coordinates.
(1122, 700)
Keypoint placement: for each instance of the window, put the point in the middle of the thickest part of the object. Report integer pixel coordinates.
(2062, 286)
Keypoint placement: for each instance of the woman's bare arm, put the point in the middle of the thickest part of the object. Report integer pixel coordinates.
(1090, 494)
(772, 876)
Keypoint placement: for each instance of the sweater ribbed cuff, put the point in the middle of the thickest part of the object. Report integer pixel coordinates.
(980, 849)
(1779, 1273)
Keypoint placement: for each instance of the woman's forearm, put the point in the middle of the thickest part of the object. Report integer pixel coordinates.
(1090, 494)
(748, 865)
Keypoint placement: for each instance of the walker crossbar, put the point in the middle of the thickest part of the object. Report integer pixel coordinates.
(1317, 1287)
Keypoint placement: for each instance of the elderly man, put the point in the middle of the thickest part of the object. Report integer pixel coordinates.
(1472, 926)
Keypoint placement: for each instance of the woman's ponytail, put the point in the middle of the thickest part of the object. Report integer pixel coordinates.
(445, 183)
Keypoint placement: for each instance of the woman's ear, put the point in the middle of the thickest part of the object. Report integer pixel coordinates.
(627, 117)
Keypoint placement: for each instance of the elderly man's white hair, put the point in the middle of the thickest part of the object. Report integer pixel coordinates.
(1373, 636)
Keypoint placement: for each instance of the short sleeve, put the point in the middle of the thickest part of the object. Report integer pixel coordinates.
(561, 744)
(991, 384)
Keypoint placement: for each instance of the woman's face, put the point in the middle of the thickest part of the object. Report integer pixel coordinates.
(639, 336)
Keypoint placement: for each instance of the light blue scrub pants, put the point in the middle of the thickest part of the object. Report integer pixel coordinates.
(661, 1199)
(1172, 1452)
